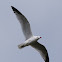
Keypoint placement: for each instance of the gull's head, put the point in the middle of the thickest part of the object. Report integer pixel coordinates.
(38, 37)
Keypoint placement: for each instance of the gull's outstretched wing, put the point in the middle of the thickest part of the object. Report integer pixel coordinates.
(42, 50)
(24, 23)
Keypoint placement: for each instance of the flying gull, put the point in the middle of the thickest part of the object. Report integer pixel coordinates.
(30, 38)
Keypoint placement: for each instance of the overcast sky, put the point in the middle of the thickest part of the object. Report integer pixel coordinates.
(45, 17)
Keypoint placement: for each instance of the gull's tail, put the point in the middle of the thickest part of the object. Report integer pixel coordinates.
(22, 45)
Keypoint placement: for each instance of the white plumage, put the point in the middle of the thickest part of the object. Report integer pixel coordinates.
(30, 38)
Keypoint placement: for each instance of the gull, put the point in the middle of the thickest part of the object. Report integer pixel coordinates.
(30, 38)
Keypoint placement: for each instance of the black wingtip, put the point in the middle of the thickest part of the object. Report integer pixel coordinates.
(12, 7)
(47, 59)
(15, 10)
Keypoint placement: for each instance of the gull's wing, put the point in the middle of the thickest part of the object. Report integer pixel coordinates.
(42, 50)
(24, 23)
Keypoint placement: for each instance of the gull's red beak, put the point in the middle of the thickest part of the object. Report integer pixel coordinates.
(40, 37)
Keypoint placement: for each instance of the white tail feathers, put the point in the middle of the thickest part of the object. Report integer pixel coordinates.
(21, 46)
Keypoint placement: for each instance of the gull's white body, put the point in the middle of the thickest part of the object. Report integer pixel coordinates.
(30, 38)
(29, 41)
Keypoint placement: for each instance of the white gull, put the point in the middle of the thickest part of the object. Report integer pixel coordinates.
(30, 38)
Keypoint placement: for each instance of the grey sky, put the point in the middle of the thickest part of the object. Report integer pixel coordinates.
(45, 17)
